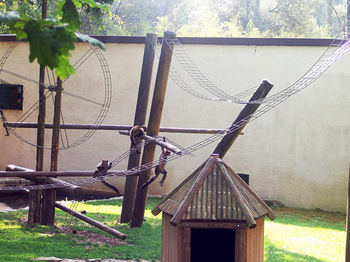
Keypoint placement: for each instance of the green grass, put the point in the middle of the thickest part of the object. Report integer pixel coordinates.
(305, 235)
(295, 235)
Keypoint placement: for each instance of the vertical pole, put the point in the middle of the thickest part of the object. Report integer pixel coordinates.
(34, 214)
(153, 126)
(347, 249)
(140, 117)
(49, 195)
(227, 141)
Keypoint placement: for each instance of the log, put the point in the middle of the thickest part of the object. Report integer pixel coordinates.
(91, 221)
(15, 171)
(153, 127)
(69, 190)
(227, 141)
(116, 127)
(139, 119)
(166, 145)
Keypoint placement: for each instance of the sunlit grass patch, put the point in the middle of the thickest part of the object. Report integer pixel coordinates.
(305, 235)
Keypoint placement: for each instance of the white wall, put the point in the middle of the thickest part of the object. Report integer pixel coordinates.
(297, 153)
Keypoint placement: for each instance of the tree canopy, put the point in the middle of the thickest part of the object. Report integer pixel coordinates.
(51, 39)
(223, 18)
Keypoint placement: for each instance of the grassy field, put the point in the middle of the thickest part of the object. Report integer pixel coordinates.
(295, 235)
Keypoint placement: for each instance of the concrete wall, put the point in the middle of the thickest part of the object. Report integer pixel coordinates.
(297, 153)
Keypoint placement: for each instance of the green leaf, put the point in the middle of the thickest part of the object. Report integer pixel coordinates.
(93, 4)
(64, 69)
(91, 40)
(70, 15)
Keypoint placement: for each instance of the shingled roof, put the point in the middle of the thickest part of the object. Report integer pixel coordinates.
(214, 192)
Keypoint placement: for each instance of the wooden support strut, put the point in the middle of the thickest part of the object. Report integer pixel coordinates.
(166, 145)
(91, 221)
(139, 119)
(153, 126)
(246, 113)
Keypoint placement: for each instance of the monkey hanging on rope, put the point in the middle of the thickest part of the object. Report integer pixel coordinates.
(160, 168)
(101, 171)
(137, 131)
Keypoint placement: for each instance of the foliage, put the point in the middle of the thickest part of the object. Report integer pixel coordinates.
(308, 235)
(52, 39)
(224, 18)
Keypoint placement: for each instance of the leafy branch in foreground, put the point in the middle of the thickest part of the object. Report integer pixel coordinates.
(52, 40)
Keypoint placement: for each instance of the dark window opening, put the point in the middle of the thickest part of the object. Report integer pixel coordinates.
(11, 96)
(212, 245)
(245, 178)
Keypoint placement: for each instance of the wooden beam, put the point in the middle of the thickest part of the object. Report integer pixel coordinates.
(91, 221)
(227, 141)
(68, 190)
(139, 119)
(166, 145)
(73, 173)
(153, 126)
(117, 127)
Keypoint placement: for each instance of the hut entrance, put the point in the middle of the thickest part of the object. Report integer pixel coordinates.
(209, 244)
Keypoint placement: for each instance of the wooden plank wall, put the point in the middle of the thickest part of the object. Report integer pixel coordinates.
(255, 242)
(171, 241)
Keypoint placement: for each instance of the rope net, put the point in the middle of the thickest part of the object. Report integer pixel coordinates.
(336, 50)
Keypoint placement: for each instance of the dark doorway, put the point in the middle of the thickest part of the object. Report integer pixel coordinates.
(212, 245)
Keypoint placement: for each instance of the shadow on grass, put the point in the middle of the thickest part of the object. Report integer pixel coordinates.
(310, 218)
(151, 202)
(274, 254)
(25, 242)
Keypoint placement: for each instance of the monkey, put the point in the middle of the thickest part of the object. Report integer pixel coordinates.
(137, 131)
(160, 168)
(101, 171)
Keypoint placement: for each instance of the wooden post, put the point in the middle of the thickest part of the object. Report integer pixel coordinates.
(91, 221)
(227, 141)
(49, 195)
(42, 108)
(347, 250)
(34, 214)
(140, 117)
(153, 126)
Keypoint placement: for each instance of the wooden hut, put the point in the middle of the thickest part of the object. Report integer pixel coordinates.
(213, 215)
